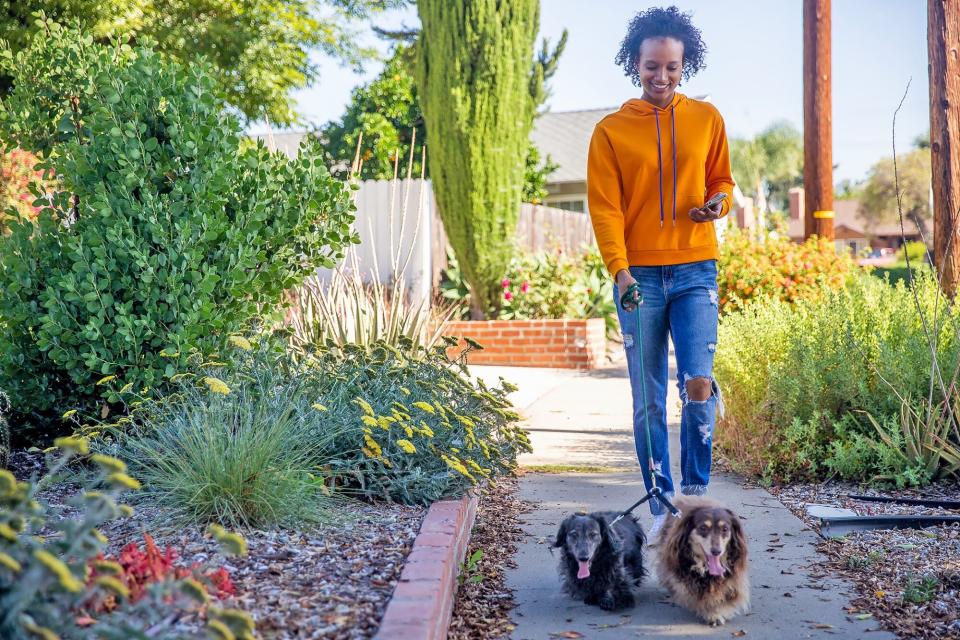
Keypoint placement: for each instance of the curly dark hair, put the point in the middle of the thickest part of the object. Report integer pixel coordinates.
(660, 23)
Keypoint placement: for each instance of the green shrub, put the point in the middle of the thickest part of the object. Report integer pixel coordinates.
(238, 447)
(417, 429)
(261, 437)
(169, 232)
(546, 285)
(799, 380)
(44, 583)
(777, 267)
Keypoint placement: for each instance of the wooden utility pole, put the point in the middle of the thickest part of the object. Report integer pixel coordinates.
(817, 120)
(943, 45)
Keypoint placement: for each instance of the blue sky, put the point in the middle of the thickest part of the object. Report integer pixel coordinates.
(753, 73)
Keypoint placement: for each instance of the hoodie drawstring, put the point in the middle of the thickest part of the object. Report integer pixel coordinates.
(673, 132)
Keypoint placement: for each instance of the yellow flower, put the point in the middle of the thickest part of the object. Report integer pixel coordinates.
(457, 466)
(194, 590)
(108, 567)
(112, 584)
(216, 385)
(241, 342)
(169, 354)
(9, 563)
(465, 421)
(318, 406)
(8, 483)
(407, 446)
(220, 630)
(105, 380)
(365, 406)
(73, 444)
(42, 632)
(69, 413)
(7, 532)
(405, 391)
(370, 421)
(368, 452)
(126, 510)
(373, 445)
(123, 480)
(180, 376)
(423, 406)
(57, 567)
(384, 422)
(237, 619)
(232, 543)
(126, 387)
(425, 429)
(96, 533)
(408, 430)
(109, 463)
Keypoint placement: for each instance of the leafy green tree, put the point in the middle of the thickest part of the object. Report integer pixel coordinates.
(480, 85)
(258, 48)
(878, 200)
(769, 164)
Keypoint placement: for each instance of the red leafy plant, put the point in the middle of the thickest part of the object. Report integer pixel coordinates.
(137, 568)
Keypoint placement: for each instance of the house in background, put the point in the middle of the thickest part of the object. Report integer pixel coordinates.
(850, 230)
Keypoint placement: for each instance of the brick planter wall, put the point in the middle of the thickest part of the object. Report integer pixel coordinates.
(562, 344)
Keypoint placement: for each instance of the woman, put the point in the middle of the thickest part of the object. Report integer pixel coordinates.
(652, 166)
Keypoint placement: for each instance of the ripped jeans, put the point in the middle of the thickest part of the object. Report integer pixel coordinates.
(680, 301)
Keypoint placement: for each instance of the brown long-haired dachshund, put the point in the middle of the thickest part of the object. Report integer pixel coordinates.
(702, 560)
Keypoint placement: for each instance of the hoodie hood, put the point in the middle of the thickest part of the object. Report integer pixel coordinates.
(642, 107)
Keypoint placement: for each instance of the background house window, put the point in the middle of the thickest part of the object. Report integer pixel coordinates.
(568, 205)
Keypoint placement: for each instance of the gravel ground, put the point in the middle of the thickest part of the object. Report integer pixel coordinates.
(908, 580)
(482, 608)
(333, 582)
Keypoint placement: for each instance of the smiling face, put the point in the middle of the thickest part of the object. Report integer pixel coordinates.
(661, 67)
(582, 537)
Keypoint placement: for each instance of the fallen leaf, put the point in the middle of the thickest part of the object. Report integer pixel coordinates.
(566, 634)
(739, 634)
(822, 625)
(864, 616)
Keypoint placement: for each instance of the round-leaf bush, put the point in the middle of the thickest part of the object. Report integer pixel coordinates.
(169, 231)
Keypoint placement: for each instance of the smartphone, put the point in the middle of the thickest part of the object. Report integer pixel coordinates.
(716, 199)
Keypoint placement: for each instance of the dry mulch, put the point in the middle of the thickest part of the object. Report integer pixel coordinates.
(482, 607)
(907, 579)
(332, 582)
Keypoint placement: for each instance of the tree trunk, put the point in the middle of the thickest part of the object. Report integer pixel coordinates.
(943, 43)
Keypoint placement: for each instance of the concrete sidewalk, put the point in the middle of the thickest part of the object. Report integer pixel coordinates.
(584, 419)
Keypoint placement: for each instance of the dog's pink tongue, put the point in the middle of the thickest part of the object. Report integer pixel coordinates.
(584, 571)
(714, 566)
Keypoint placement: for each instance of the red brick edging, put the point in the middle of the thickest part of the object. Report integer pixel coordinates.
(422, 603)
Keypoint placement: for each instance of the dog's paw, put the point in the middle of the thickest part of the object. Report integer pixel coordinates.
(716, 621)
(592, 600)
(608, 603)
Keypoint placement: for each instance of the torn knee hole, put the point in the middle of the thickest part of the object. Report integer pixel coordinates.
(699, 389)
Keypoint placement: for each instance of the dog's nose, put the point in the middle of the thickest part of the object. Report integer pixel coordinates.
(583, 558)
(716, 552)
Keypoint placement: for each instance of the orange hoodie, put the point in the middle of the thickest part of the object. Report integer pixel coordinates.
(646, 169)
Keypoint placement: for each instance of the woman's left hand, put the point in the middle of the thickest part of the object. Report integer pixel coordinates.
(706, 214)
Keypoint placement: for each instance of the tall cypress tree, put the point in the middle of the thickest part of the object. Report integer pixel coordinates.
(479, 88)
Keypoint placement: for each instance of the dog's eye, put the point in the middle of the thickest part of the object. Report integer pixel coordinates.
(594, 535)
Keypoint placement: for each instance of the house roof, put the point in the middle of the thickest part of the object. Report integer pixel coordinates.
(846, 214)
(565, 137)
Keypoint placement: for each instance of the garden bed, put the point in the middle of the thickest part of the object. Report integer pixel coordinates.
(561, 344)
(908, 580)
(331, 582)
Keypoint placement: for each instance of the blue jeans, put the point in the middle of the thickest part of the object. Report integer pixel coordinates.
(680, 301)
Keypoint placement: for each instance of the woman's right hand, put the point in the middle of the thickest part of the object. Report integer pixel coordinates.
(624, 280)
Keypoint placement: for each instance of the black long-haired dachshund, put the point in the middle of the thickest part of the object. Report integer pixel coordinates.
(600, 563)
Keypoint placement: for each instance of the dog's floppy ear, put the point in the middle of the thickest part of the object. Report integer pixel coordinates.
(676, 541)
(737, 547)
(608, 536)
(561, 534)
